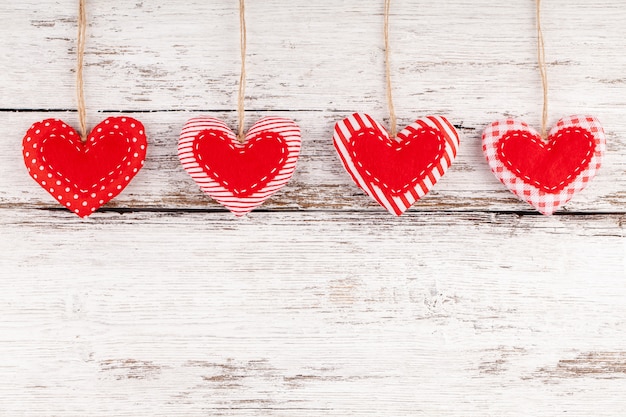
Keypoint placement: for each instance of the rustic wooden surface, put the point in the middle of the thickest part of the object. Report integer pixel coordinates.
(320, 303)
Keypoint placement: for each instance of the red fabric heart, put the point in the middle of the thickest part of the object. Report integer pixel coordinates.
(396, 173)
(242, 168)
(84, 176)
(397, 165)
(545, 174)
(240, 176)
(549, 166)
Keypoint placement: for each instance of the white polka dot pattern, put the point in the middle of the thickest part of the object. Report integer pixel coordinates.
(84, 176)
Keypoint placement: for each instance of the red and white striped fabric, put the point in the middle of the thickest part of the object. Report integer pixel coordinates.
(240, 176)
(396, 172)
(546, 174)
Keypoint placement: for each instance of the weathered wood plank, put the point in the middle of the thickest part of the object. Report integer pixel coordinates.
(338, 308)
(320, 183)
(156, 56)
(322, 55)
(305, 314)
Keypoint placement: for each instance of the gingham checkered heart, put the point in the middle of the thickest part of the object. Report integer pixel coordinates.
(240, 176)
(546, 174)
(396, 173)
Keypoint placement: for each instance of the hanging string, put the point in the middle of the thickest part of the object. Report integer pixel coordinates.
(242, 78)
(541, 59)
(80, 53)
(392, 112)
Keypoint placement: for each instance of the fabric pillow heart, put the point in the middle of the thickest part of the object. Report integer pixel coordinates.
(396, 172)
(240, 176)
(84, 176)
(546, 174)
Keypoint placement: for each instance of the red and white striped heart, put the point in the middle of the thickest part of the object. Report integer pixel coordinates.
(84, 176)
(546, 174)
(240, 176)
(396, 172)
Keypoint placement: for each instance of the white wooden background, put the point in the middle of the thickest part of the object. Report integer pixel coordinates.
(321, 303)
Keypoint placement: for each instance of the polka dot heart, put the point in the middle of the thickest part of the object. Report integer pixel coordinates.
(84, 176)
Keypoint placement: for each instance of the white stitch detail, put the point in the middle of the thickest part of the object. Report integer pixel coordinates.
(585, 161)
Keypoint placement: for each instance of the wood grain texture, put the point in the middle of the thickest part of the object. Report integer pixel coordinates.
(301, 67)
(319, 183)
(321, 303)
(309, 314)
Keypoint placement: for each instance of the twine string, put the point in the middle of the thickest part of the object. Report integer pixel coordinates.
(541, 60)
(242, 77)
(392, 112)
(80, 53)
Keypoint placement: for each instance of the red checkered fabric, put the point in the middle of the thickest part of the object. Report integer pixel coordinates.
(546, 199)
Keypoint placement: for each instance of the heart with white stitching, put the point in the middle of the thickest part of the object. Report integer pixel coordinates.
(84, 176)
(240, 176)
(396, 172)
(545, 173)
